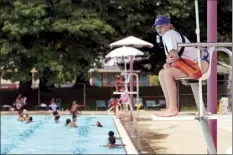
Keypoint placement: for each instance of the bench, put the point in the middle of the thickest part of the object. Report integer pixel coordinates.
(100, 104)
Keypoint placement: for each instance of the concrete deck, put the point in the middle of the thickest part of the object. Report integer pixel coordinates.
(175, 137)
(167, 137)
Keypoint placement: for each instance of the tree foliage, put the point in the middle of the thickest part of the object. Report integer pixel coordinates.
(61, 39)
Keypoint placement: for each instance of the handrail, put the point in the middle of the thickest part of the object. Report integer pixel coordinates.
(208, 44)
(229, 52)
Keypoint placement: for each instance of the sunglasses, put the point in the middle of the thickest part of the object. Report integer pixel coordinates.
(158, 27)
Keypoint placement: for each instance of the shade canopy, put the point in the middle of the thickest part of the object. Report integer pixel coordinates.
(124, 52)
(131, 41)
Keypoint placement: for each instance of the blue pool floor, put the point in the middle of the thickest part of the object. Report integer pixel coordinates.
(44, 136)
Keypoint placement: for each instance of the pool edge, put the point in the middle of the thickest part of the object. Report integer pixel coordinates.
(129, 148)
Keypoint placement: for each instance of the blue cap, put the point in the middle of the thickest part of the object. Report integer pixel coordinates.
(161, 20)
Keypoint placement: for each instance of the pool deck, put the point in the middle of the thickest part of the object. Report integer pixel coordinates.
(167, 137)
(176, 137)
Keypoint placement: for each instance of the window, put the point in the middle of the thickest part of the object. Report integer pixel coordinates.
(109, 79)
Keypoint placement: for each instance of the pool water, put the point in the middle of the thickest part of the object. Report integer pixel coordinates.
(44, 136)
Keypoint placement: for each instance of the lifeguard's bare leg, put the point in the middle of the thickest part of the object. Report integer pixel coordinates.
(169, 77)
(163, 86)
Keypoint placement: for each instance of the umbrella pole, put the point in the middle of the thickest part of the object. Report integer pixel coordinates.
(126, 90)
(126, 86)
(131, 86)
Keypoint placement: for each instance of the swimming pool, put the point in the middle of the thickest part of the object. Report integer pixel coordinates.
(44, 136)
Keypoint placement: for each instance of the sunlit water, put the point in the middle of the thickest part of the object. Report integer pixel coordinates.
(44, 136)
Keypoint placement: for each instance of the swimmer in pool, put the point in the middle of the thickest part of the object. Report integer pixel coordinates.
(29, 120)
(20, 116)
(98, 124)
(26, 116)
(68, 121)
(112, 141)
(55, 113)
(56, 118)
(73, 124)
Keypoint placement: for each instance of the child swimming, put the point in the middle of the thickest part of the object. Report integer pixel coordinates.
(112, 141)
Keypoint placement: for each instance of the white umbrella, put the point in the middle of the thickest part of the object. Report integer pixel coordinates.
(124, 52)
(131, 41)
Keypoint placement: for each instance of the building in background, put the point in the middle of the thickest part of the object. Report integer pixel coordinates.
(105, 76)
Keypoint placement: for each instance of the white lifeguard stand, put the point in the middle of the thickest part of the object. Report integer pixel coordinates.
(124, 52)
(134, 43)
(196, 86)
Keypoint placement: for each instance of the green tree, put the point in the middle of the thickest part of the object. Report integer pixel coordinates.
(59, 38)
